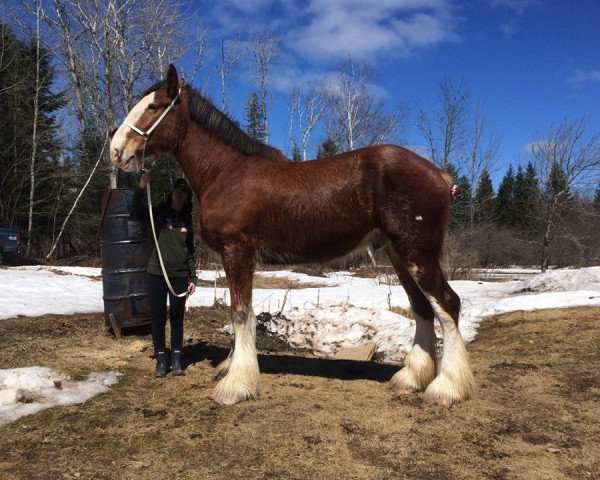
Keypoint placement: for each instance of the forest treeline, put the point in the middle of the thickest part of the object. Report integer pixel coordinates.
(68, 75)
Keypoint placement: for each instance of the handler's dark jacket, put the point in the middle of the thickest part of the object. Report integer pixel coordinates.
(175, 234)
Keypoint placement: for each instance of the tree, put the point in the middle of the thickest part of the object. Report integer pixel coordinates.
(445, 129)
(461, 206)
(328, 149)
(484, 201)
(112, 50)
(596, 201)
(296, 155)
(482, 151)
(355, 116)
(505, 205)
(525, 199)
(566, 159)
(29, 141)
(231, 53)
(307, 109)
(266, 47)
(255, 125)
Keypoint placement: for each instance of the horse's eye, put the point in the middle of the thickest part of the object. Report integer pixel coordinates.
(153, 107)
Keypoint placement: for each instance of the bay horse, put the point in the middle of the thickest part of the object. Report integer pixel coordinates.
(257, 205)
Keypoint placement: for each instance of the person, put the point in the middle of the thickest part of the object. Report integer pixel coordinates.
(175, 233)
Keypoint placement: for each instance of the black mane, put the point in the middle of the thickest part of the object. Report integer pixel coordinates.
(207, 116)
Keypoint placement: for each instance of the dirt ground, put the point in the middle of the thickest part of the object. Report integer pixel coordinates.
(535, 415)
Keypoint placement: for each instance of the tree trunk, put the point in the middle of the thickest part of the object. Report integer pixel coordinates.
(546, 241)
(36, 101)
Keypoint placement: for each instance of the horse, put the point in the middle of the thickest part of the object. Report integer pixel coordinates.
(256, 205)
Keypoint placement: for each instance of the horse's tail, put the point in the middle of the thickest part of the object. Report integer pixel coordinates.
(446, 176)
(454, 189)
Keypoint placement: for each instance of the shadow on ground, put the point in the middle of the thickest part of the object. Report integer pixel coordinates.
(296, 365)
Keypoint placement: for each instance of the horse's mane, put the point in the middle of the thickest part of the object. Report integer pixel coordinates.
(207, 116)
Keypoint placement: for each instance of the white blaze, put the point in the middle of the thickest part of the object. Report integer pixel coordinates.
(122, 154)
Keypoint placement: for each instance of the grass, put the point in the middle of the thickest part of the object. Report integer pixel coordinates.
(539, 389)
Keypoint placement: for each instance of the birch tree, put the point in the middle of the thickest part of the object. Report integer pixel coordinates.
(307, 109)
(38, 12)
(445, 129)
(265, 49)
(230, 54)
(355, 116)
(112, 49)
(566, 160)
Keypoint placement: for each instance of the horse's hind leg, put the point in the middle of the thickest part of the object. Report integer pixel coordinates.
(242, 378)
(454, 381)
(420, 363)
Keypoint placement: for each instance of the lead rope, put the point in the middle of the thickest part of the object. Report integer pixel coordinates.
(185, 294)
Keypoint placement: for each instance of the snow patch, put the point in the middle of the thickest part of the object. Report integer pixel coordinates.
(25, 391)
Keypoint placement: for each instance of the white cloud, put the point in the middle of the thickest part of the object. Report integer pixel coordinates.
(285, 79)
(580, 77)
(342, 28)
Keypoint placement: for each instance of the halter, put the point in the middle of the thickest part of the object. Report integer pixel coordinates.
(146, 135)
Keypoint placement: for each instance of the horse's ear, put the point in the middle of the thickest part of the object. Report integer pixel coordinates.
(172, 81)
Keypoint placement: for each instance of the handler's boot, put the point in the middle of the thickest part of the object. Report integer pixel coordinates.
(176, 363)
(161, 365)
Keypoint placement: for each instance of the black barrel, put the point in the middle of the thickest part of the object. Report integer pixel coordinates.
(124, 250)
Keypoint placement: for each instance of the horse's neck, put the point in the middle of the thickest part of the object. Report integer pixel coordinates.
(202, 156)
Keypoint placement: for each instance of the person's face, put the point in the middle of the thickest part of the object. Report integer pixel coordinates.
(179, 197)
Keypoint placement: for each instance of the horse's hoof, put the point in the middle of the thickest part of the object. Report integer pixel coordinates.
(444, 393)
(445, 402)
(407, 381)
(402, 391)
(225, 398)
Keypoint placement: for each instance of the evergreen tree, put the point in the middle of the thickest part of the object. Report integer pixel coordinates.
(460, 207)
(557, 185)
(505, 204)
(327, 149)
(484, 200)
(296, 154)
(17, 92)
(526, 198)
(255, 118)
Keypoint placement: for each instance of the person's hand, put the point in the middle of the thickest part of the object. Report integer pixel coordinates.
(145, 180)
(191, 288)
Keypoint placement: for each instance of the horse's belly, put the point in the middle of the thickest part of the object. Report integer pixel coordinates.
(308, 248)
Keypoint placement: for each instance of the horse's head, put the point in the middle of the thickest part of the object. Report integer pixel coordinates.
(154, 120)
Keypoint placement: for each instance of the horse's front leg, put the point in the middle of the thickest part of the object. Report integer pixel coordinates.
(241, 380)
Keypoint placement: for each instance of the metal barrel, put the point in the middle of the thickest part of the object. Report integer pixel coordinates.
(124, 250)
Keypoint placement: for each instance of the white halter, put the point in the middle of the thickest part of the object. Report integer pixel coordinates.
(147, 133)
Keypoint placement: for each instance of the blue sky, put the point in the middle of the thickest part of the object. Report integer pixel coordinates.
(529, 63)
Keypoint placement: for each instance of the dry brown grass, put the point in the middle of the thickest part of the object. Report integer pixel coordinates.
(535, 414)
(266, 282)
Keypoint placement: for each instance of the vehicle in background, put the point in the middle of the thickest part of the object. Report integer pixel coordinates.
(10, 246)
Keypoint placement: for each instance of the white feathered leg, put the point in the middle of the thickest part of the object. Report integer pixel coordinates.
(242, 380)
(455, 381)
(419, 364)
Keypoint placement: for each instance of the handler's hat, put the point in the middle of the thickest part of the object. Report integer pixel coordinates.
(182, 184)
